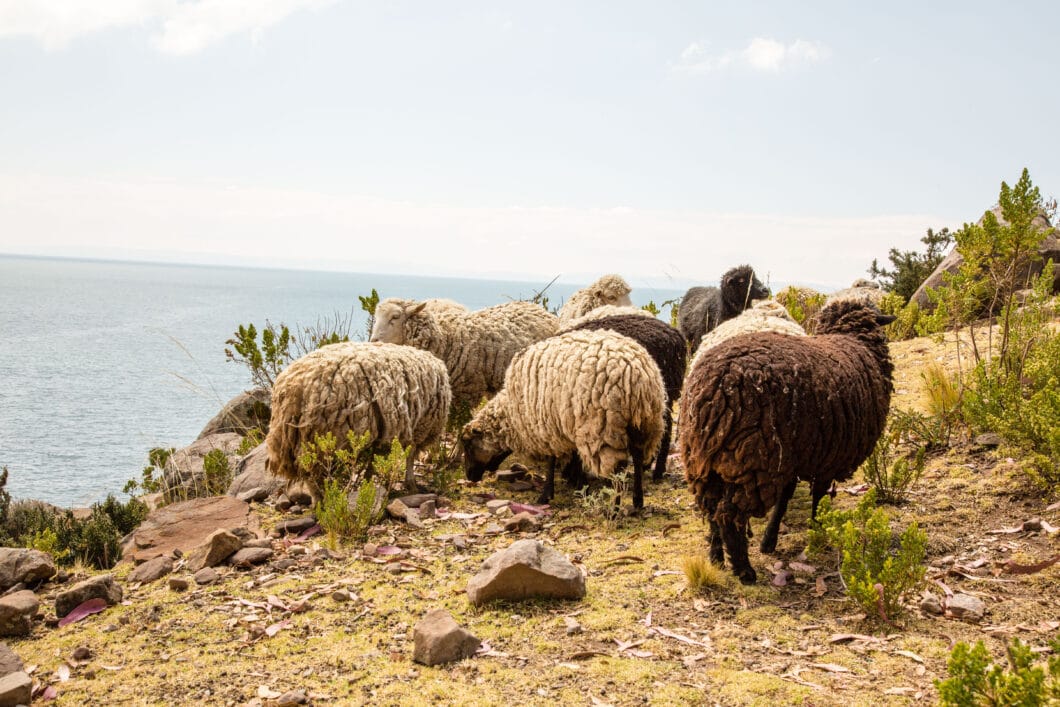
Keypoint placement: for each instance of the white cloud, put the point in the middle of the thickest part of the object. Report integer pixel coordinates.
(761, 54)
(177, 26)
(217, 223)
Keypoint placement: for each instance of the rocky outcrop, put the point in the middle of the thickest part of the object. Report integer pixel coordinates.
(186, 525)
(1049, 249)
(241, 414)
(184, 476)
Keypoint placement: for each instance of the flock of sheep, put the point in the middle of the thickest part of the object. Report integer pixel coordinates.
(592, 390)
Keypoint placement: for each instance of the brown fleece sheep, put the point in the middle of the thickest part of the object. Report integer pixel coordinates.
(762, 411)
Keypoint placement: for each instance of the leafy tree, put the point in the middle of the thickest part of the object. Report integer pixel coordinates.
(910, 268)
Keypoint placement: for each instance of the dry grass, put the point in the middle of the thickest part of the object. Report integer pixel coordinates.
(735, 645)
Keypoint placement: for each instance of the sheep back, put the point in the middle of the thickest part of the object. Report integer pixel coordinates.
(608, 290)
(761, 409)
(765, 315)
(390, 391)
(608, 310)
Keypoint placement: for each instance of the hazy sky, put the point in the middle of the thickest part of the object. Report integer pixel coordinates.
(662, 140)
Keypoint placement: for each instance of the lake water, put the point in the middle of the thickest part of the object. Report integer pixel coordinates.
(101, 361)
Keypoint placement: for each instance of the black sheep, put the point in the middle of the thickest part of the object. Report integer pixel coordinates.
(703, 308)
(762, 411)
(667, 348)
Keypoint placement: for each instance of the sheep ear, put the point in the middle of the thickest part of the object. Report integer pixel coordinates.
(885, 319)
(416, 309)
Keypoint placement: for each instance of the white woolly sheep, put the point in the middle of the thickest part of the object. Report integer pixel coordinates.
(608, 310)
(390, 391)
(609, 289)
(475, 346)
(596, 394)
(764, 315)
(862, 291)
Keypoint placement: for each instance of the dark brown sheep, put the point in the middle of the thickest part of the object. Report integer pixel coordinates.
(667, 348)
(762, 411)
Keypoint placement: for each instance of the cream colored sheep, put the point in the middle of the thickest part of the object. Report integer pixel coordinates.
(608, 310)
(764, 315)
(393, 392)
(609, 289)
(596, 394)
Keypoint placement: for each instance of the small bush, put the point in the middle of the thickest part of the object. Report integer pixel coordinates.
(942, 392)
(975, 680)
(217, 473)
(333, 512)
(874, 577)
(149, 483)
(606, 501)
(910, 268)
(802, 304)
(908, 323)
(264, 360)
(891, 469)
(251, 440)
(701, 573)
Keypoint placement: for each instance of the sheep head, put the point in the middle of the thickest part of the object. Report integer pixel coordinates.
(740, 287)
(484, 441)
(612, 289)
(391, 317)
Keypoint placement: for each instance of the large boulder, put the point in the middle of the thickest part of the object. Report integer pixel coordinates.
(1049, 249)
(242, 414)
(527, 569)
(252, 474)
(19, 565)
(184, 476)
(186, 525)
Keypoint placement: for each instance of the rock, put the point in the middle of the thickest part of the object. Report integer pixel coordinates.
(521, 522)
(183, 476)
(250, 556)
(428, 509)
(186, 525)
(250, 473)
(370, 550)
(528, 568)
(99, 587)
(510, 475)
(572, 627)
(9, 661)
(397, 509)
(153, 569)
(341, 595)
(298, 525)
(300, 498)
(15, 689)
(418, 499)
(966, 607)
(292, 698)
(520, 486)
(518, 468)
(930, 604)
(283, 564)
(493, 529)
(497, 504)
(283, 503)
(207, 575)
(16, 613)
(1049, 248)
(504, 512)
(258, 542)
(1034, 524)
(19, 564)
(253, 495)
(219, 545)
(989, 440)
(412, 517)
(241, 414)
(81, 654)
(439, 639)
(295, 509)
(179, 584)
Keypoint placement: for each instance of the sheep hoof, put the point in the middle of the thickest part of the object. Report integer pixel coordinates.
(768, 546)
(747, 576)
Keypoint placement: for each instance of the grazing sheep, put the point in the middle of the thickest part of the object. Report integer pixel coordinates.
(608, 310)
(762, 411)
(594, 394)
(703, 308)
(475, 346)
(393, 392)
(764, 315)
(609, 289)
(667, 348)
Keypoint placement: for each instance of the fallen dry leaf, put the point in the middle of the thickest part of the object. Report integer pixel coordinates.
(87, 608)
(820, 587)
(802, 567)
(63, 672)
(668, 527)
(707, 643)
(267, 693)
(830, 667)
(622, 559)
(1015, 568)
(277, 627)
(910, 655)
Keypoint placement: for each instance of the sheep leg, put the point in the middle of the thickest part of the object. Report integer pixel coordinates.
(664, 449)
(717, 549)
(638, 479)
(410, 477)
(550, 484)
(817, 493)
(769, 538)
(735, 540)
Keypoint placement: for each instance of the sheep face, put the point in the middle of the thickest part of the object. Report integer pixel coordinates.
(482, 451)
(391, 317)
(740, 287)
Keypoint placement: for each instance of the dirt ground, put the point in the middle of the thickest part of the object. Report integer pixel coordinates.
(640, 636)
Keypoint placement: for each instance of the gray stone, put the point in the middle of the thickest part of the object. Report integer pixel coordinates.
(16, 613)
(989, 440)
(428, 509)
(528, 568)
(250, 556)
(520, 486)
(283, 503)
(219, 545)
(186, 525)
(18, 564)
(930, 604)
(151, 570)
(15, 689)
(298, 525)
(417, 499)
(522, 522)
(241, 414)
(292, 698)
(251, 473)
(9, 661)
(412, 517)
(99, 587)
(497, 504)
(207, 575)
(966, 607)
(184, 477)
(439, 639)
(258, 542)
(509, 475)
(253, 495)
(300, 498)
(397, 509)
(179, 584)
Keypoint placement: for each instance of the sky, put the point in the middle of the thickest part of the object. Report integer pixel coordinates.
(666, 141)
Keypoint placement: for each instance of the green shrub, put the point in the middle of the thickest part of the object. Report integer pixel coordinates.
(893, 467)
(368, 305)
(976, 681)
(911, 268)
(264, 360)
(802, 304)
(605, 502)
(125, 516)
(656, 309)
(333, 512)
(250, 441)
(217, 473)
(874, 577)
(5, 506)
(149, 483)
